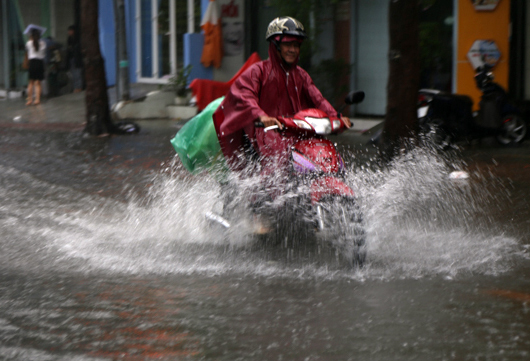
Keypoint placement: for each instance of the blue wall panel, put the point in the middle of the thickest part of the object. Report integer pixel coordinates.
(193, 44)
(130, 30)
(107, 39)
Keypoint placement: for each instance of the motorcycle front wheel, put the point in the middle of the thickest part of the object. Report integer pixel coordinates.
(340, 223)
(513, 130)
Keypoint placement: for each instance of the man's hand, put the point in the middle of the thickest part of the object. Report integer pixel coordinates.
(270, 121)
(346, 121)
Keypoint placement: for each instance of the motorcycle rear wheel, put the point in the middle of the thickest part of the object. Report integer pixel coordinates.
(340, 223)
(513, 130)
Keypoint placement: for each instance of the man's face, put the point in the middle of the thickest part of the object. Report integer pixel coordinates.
(290, 51)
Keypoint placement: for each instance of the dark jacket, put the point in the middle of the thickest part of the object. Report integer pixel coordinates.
(73, 51)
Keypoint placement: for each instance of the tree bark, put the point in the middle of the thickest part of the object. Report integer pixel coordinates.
(98, 120)
(404, 76)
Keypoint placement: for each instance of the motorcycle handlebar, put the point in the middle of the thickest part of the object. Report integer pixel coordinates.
(259, 124)
(272, 127)
(290, 123)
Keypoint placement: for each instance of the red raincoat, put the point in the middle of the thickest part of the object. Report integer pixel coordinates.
(266, 88)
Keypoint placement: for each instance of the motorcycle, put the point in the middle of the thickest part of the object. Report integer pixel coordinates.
(448, 118)
(318, 198)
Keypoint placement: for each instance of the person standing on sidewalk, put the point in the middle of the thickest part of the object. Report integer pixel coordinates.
(74, 60)
(36, 49)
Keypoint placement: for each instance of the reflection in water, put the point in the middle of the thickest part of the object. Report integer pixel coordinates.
(129, 319)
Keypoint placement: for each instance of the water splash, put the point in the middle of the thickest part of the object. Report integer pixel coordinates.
(422, 222)
(419, 223)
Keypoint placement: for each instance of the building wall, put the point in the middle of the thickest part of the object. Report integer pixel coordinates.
(371, 55)
(266, 14)
(324, 39)
(55, 15)
(368, 44)
(130, 35)
(4, 48)
(341, 31)
(192, 51)
(107, 39)
(527, 55)
(30, 11)
(63, 14)
(233, 19)
(475, 25)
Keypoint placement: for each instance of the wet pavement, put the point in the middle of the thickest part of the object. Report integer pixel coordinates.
(49, 136)
(69, 108)
(106, 256)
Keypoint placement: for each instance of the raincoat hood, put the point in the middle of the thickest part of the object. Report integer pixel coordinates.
(276, 59)
(268, 88)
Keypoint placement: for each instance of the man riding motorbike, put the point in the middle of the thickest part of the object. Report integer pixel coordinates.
(268, 89)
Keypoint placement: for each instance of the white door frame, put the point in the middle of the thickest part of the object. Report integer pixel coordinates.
(154, 78)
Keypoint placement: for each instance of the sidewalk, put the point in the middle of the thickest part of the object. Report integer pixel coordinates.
(70, 108)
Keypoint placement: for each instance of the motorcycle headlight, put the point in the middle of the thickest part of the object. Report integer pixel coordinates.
(336, 124)
(321, 125)
(302, 124)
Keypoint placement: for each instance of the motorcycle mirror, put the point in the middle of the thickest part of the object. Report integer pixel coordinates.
(354, 97)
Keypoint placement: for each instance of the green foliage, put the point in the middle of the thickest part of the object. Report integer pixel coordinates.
(331, 77)
(179, 82)
(430, 43)
(436, 59)
(424, 4)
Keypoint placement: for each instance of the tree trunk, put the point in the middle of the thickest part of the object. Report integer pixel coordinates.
(98, 119)
(404, 78)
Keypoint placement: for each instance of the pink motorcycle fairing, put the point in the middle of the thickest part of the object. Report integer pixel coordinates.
(319, 156)
(329, 185)
(316, 155)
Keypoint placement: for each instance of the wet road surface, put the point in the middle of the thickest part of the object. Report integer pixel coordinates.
(106, 256)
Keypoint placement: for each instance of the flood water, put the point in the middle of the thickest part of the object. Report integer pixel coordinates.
(106, 255)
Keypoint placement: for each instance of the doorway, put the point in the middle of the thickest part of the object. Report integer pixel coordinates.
(155, 26)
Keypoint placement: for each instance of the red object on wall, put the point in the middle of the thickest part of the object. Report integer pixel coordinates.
(206, 91)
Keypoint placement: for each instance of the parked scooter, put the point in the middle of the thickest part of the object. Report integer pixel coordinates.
(322, 200)
(448, 118)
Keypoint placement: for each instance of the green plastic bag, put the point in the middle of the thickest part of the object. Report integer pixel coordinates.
(196, 142)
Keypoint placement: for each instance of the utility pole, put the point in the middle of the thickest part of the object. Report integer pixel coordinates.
(122, 81)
